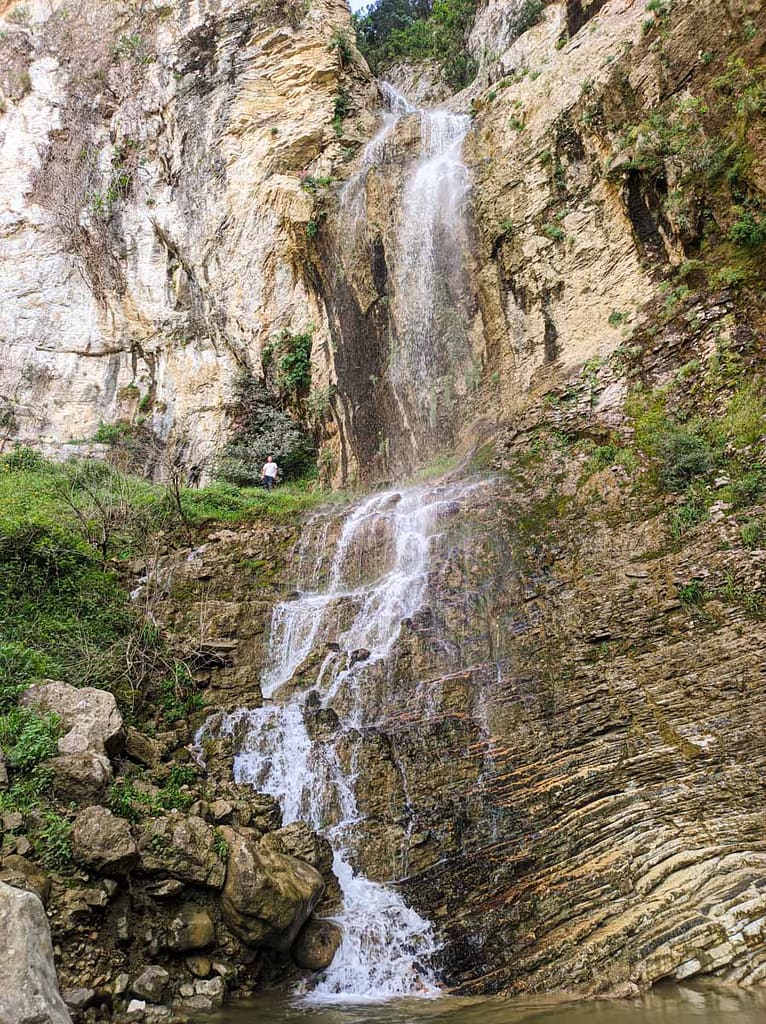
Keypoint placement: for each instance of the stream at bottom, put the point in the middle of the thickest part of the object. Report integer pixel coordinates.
(664, 1005)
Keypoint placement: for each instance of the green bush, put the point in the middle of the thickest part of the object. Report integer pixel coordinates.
(749, 229)
(265, 430)
(684, 455)
(419, 30)
(52, 841)
(753, 534)
(749, 488)
(692, 593)
(19, 666)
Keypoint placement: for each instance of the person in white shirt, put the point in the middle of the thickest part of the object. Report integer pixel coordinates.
(269, 473)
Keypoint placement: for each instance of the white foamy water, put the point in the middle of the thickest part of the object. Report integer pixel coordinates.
(378, 571)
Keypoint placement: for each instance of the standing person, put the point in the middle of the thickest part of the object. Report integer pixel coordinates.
(269, 473)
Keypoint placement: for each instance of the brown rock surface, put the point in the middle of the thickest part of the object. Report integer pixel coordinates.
(104, 842)
(183, 847)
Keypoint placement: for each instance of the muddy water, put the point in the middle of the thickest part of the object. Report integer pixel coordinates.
(662, 1006)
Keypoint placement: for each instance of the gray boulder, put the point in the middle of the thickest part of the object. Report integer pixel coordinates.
(268, 896)
(151, 984)
(184, 847)
(89, 717)
(103, 842)
(82, 778)
(29, 991)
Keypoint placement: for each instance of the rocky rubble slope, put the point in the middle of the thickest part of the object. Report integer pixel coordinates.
(178, 887)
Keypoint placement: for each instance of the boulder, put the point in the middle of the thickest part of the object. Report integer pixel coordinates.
(81, 778)
(317, 944)
(103, 842)
(151, 984)
(268, 895)
(221, 811)
(300, 841)
(199, 966)
(191, 928)
(29, 991)
(183, 847)
(142, 749)
(23, 874)
(78, 999)
(89, 717)
(214, 989)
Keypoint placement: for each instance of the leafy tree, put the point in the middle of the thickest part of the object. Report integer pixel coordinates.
(419, 30)
(264, 430)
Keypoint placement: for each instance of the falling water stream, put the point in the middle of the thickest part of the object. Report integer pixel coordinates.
(430, 290)
(360, 579)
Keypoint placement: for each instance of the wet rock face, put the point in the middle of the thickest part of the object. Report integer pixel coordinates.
(28, 988)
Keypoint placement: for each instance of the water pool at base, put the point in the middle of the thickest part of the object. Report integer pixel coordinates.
(669, 1005)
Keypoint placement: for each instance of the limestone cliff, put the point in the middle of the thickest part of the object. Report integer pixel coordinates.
(154, 224)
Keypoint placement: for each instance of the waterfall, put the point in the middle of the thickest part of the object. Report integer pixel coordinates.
(432, 221)
(361, 577)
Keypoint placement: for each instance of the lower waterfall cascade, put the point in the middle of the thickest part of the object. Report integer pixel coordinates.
(355, 616)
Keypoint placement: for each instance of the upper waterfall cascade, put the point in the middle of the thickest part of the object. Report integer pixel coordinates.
(427, 248)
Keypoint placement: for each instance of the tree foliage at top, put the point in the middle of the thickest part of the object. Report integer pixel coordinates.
(392, 30)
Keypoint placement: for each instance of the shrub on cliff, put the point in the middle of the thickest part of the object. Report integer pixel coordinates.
(263, 430)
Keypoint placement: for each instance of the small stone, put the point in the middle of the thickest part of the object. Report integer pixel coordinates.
(136, 1007)
(221, 812)
(214, 989)
(186, 990)
(164, 889)
(191, 928)
(3, 773)
(121, 983)
(198, 1004)
(361, 654)
(95, 897)
(122, 926)
(78, 998)
(23, 846)
(151, 984)
(12, 821)
(142, 749)
(199, 966)
(225, 970)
